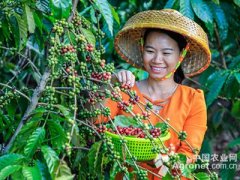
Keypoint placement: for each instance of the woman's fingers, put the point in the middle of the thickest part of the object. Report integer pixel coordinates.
(126, 78)
(130, 79)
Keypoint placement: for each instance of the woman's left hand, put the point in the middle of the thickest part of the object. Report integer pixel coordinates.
(125, 77)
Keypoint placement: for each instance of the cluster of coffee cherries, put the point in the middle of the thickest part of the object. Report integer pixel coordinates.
(109, 147)
(134, 99)
(125, 87)
(214, 176)
(109, 67)
(176, 172)
(115, 95)
(125, 106)
(76, 20)
(59, 26)
(67, 48)
(101, 75)
(6, 97)
(146, 115)
(79, 22)
(136, 131)
(89, 47)
(142, 174)
(96, 97)
(53, 53)
(71, 70)
(99, 96)
(101, 129)
(182, 135)
(49, 97)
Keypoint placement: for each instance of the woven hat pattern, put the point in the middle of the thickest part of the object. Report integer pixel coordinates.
(127, 41)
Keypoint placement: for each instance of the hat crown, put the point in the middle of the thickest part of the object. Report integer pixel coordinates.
(169, 19)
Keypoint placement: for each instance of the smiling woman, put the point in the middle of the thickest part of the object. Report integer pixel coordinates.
(160, 42)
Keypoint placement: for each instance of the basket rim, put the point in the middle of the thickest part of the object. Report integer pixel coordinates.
(163, 138)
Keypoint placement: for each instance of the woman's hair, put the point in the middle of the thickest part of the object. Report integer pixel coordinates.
(181, 41)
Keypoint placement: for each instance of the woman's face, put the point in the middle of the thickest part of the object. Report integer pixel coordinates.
(160, 54)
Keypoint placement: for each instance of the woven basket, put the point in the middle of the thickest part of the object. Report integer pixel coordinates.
(140, 148)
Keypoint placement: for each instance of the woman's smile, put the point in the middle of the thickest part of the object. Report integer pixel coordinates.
(157, 69)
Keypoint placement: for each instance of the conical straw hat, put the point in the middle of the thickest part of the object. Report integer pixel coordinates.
(127, 41)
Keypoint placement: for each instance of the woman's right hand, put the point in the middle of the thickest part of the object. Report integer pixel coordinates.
(125, 77)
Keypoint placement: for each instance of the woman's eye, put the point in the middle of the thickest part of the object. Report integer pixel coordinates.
(149, 51)
(166, 53)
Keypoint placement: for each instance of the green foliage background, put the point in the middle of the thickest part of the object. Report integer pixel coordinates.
(25, 31)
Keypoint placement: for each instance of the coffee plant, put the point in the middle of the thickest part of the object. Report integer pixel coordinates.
(57, 70)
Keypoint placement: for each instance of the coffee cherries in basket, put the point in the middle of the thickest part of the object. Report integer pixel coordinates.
(143, 142)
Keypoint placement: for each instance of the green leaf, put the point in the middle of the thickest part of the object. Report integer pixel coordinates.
(64, 172)
(124, 65)
(22, 31)
(235, 142)
(34, 141)
(101, 163)
(235, 62)
(17, 175)
(64, 110)
(5, 172)
(162, 126)
(202, 11)
(5, 29)
(237, 2)
(125, 121)
(167, 177)
(58, 135)
(218, 117)
(141, 75)
(105, 10)
(186, 8)
(10, 160)
(93, 157)
(169, 4)
(38, 21)
(182, 158)
(186, 171)
(237, 76)
(228, 173)
(25, 132)
(30, 126)
(31, 173)
(202, 176)
(89, 36)
(61, 8)
(235, 110)
(44, 170)
(43, 5)
(11, 110)
(115, 15)
(221, 20)
(217, 79)
(231, 83)
(114, 170)
(51, 158)
(30, 19)
(216, 1)
(93, 17)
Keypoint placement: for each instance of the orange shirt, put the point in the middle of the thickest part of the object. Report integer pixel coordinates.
(186, 110)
